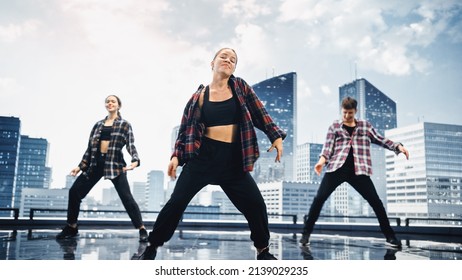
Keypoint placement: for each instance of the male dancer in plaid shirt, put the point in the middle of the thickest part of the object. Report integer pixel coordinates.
(346, 153)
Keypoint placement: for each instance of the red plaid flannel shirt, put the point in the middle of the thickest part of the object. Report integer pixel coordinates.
(339, 142)
(254, 114)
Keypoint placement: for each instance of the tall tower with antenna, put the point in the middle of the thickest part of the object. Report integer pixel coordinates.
(279, 95)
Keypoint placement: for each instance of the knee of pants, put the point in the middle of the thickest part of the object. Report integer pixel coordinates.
(260, 204)
(256, 207)
(127, 199)
(319, 200)
(376, 204)
(74, 193)
(177, 202)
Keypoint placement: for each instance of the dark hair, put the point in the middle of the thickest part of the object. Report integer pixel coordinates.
(219, 51)
(118, 101)
(349, 103)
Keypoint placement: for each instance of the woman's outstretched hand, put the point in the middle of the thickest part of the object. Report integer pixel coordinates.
(131, 166)
(277, 144)
(171, 171)
(75, 171)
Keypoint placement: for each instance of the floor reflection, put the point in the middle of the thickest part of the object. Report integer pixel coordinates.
(122, 244)
(68, 247)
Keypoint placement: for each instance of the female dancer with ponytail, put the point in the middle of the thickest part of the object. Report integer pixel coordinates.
(104, 158)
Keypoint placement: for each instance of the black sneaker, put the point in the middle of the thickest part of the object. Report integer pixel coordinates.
(390, 254)
(394, 242)
(266, 255)
(143, 235)
(149, 254)
(68, 232)
(305, 239)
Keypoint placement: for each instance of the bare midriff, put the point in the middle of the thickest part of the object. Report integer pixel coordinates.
(103, 146)
(224, 133)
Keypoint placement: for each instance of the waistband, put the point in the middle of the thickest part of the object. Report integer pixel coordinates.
(101, 155)
(220, 143)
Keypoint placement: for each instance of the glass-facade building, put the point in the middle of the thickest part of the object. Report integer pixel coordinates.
(45, 198)
(380, 110)
(23, 163)
(429, 184)
(278, 95)
(9, 148)
(155, 190)
(373, 104)
(32, 171)
(139, 191)
(289, 198)
(307, 155)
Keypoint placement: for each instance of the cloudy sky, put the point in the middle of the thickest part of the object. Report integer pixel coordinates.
(60, 59)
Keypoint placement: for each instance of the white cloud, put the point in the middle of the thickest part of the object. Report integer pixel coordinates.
(367, 31)
(154, 54)
(245, 8)
(310, 11)
(425, 32)
(141, 8)
(455, 32)
(313, 40)
(251, 41)
(326, 90)
(303, 89)
(395, 61)
(12, 32)
(115, 25)
(8, 86)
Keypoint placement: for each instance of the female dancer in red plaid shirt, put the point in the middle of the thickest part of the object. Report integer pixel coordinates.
(217, 145)
(104, 158)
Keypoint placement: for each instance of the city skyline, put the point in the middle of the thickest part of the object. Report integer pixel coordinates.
(64, 57)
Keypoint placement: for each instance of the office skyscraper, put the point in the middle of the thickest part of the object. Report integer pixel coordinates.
(45, 198)
(307, 155)
(70, 181)
(155, 186)
(32, 171)
(279, 95)
(429, 184)
(288, 198)
(140, 194)
(373, 104)
(377, 108)
(9, 148)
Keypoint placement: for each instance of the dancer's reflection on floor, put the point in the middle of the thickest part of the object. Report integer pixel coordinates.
(69, 246)
(306, 253)
(141, 247)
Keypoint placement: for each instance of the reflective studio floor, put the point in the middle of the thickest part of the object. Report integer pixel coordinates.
(122, 244)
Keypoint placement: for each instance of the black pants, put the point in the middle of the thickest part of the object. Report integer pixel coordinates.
(84, 184)
(361, 183)
(218, 163)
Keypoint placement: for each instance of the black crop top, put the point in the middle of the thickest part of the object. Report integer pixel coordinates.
(106, 133)
(220, 112)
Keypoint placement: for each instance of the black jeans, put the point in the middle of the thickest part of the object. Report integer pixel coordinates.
(362, 184)
(220, 164)
(84, 184)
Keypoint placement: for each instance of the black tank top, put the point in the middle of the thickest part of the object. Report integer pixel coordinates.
(106, 133)
(220, 112)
